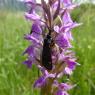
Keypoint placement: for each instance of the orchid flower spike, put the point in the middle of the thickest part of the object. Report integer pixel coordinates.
(50, 44)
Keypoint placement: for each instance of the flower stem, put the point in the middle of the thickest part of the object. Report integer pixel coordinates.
(47, 88)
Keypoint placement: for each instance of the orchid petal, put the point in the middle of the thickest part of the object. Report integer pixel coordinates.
(29, 50)
(34, 16)
(40, 82)
(67, 18)
(60, 92)
(28, 63)
(56, 29)
(63, 41)
(33, 39)
(65, 86)
(68, 71)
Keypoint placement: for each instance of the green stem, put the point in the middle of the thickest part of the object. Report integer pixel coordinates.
(47, 88)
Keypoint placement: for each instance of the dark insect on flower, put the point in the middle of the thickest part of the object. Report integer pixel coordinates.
(50, 44)
(47, 49)
(46, 53)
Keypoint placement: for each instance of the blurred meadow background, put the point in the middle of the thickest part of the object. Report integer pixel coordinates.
(15, 78)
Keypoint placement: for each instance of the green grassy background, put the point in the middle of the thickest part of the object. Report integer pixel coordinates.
(16, 79)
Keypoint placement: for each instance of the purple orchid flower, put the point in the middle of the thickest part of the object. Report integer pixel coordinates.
(32, 16)
(50, 42)
(59, 92)
(69, 5)
(28, 63)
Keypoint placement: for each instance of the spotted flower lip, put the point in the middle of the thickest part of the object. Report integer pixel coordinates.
(63, 41)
